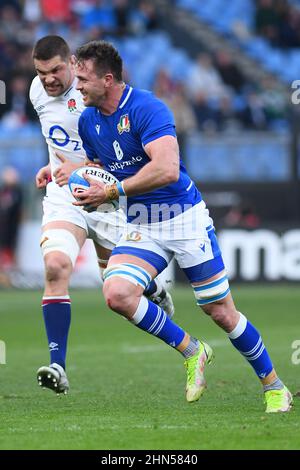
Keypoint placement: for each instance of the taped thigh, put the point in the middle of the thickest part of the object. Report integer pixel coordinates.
(60, 240)
(212, 291)
(132, 273)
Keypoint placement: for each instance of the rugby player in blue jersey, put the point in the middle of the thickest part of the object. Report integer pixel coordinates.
(132, 134)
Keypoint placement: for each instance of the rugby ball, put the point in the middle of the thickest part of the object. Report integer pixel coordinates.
(78, 184)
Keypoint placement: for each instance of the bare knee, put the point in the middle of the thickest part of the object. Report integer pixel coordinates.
(121, 297)
(223, 314)
(58, 267)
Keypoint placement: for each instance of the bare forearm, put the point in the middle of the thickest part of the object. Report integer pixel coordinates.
(162, 169)
(149, 178)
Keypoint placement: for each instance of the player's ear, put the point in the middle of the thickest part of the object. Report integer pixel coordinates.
(73, 60)
(109, 78)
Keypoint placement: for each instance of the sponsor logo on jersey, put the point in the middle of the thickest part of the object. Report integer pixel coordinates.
(202, 247)
(134, 236)
(40, 108)
(72, 105)
(124, 124)
(121, 165)
(97, 127)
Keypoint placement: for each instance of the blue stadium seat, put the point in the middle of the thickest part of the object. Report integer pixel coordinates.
(24, 156)
(274, 61)
(178, 64)
(233, 159)
(258, 48)
(243, 11)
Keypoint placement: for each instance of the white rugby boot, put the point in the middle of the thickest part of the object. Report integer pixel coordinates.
(53, 377)
(163, 299)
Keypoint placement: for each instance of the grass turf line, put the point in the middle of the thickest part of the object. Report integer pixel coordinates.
(127, 388)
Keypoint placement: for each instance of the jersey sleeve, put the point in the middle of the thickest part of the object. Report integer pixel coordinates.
(153, 119)
(84, 135)
(34, 91)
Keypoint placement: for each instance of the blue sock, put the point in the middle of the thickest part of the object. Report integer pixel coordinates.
(247, 340)
(150, 289)
(151, 318)
(57, 318)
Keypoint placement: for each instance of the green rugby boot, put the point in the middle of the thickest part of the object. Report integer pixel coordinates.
(278, 401)
(196, 383)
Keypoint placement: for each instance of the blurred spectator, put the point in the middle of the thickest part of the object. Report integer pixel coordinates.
(32, 10)
(216, 96)
(144, 18)
(210, 97)
(229, 72)
(102, 16)
(227, 116)
(274, 102)
(18, 109)
(9, 22)
(80, 7)
(75, 35)
(10, 216)
(173, 94)
(207, 116)
(253, 115)
(122, 14)
(164, 85)
(205, 80)
(266, 20)
(243, 215)
(56, 10)
(13, 3)
(213, 116)
(279, 22)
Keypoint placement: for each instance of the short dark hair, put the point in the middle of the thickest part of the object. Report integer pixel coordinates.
(105, 57)
(49, 46)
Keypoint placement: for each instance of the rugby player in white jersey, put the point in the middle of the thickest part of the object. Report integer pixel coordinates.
(65, 227)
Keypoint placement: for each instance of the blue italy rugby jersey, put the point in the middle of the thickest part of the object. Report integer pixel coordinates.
(117, 142)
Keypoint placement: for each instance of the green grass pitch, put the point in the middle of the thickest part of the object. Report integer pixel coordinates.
(127, 388)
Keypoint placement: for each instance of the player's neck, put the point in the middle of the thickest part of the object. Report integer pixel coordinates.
(71, 80)
(111, 103)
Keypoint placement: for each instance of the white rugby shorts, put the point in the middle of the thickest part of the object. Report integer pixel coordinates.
(189, 237)
(103, 228)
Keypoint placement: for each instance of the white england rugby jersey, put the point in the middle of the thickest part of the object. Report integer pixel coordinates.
(59, 120)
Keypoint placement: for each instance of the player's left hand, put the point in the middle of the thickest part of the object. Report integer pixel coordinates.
(63, 172)
(91, 197)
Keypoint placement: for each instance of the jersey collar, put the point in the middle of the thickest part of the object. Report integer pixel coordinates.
(74, 84)
(125, 96)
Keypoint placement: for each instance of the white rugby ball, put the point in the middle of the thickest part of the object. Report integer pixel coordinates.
(78, 184)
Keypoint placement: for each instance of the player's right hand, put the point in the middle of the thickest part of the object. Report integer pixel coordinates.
(42, 177)
(91, 197)
(63, 172)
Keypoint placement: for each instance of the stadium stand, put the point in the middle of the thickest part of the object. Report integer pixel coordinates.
(267, 30)
(240, 106)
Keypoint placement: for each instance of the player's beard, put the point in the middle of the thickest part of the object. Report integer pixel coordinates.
(89, 101)
(93, 99)
(55, 90)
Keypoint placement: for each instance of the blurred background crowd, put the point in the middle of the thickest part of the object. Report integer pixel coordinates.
(210, 90)
(225, 68)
